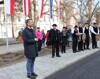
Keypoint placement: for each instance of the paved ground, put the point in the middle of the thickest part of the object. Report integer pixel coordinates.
(11, 41)
(88, 68)
(12, 48)
(44, 65)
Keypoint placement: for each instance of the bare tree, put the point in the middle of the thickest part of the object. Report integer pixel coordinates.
(85, 9)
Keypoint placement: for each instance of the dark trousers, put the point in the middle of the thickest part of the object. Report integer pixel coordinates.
(94, 42)
(30, 66)
(74, 45)
(43, 41)
(63, 48)
(55, 49)
(87, 41)
(80, 45)
(39, 45)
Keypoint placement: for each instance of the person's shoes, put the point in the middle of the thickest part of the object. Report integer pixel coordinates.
(74, 51)
(82, 50)
(97, 47)
(78, 51)
(88, 48)
(34, 74)
(58, 56)
(28, 76)
(85, 49)
(53, 56)
(64, 52)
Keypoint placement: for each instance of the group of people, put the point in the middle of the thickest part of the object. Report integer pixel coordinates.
(83, 35)
(57, 39)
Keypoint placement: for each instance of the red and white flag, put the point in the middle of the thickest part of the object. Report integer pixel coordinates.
(40, 7)
(59, 9)
(26, 7)
(9, 6)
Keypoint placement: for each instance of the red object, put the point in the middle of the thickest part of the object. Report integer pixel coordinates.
(26, 7)
(20, 37)
(42, 8)
(59, 7)
(47, 34)
(12, 11)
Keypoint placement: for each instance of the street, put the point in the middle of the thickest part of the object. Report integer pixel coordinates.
(87, 68)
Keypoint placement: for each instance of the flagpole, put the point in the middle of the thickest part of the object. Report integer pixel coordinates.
(50, 22)
(59, 14)
(50, 16)
(6, 32)
(39, 12)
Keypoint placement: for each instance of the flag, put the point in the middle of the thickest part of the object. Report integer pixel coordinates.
(26, 7)
(9, 6)
(51, 5)
(59, 9)
(40, 7)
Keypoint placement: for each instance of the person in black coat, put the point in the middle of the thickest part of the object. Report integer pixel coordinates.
(87, 39)
(75, 39)
(30, 47)
(54, 40)
(63, 40)
(94, 32)
(80, 41)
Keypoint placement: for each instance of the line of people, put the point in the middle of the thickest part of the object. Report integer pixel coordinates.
(83, 35)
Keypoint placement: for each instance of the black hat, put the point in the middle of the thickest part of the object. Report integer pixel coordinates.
(75, 26)
(64, 27)
(54, 25)
(95, 23)
(38, 27)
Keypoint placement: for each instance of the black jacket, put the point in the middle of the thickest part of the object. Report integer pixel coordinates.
(54, 36)
(30, 46)
(63, 39)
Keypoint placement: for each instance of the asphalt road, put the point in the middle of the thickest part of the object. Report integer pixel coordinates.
(87, 68)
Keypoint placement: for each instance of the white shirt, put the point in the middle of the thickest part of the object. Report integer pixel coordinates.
(92, 30)
(72, 30)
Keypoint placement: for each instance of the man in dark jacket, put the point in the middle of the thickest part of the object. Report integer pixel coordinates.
(63, 40)
(80, 41)
(87, 38)
(94, 32)
(75, 39)
(30, 47)
(54, 37)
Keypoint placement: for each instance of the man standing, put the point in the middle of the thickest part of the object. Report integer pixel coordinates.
(30, 47)
(80, 41)
(54, 37)
(74, 39)
(63, 40)
(87, 38)
(94, 31)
